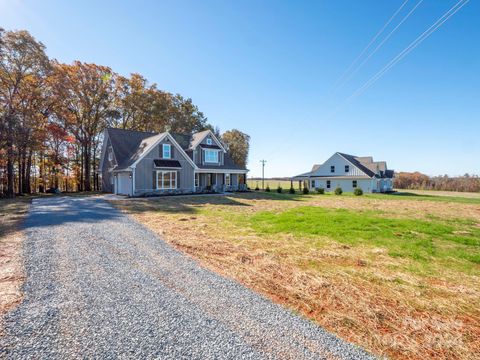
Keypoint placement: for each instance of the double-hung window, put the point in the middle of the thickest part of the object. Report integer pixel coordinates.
(354, 183)
(166, 180)
(347, 168)
(167, 151)
(332, 169)
(211, 156)
(328, 184)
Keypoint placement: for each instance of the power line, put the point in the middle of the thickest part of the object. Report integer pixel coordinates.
(339, 83)
(453, 10)
(382, 42)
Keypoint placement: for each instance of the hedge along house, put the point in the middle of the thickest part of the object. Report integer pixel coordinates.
(349, 172)
(138, 163)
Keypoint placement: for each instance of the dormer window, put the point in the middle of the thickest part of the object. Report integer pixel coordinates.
(167, 151)
(332, 169)
(209, 141)
(211, 156)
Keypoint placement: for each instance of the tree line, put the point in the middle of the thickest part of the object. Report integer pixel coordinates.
(52, 117)
(419, 181)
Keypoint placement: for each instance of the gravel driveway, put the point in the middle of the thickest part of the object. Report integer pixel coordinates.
(100, 285)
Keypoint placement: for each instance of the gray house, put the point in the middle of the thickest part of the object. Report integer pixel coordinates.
(139, 163)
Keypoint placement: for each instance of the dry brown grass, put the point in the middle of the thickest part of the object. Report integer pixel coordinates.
(361, 294)
(474, 195)
(12, 213)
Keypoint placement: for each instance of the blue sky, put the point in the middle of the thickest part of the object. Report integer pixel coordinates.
(269, 68)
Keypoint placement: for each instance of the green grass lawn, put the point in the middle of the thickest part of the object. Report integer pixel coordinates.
(466, 198)
(397, 274)
(418, 240)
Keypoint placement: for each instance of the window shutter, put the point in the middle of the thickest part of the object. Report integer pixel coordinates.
(178, 179)
(160, 151)
(154, 182)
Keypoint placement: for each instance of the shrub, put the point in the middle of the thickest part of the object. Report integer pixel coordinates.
(358, 191)
(257, 188)
(279, 189)
(305, 190)
(267, 189)
(292, 190)
(338, 191)
(321, 190)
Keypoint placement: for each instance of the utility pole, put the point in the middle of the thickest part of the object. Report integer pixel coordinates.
(263, 173)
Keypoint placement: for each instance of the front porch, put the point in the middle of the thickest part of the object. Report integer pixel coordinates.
(220, 182)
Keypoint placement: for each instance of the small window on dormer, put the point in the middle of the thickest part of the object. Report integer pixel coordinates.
(347, 168)
(332, 169)
(167, 154)
(209, 141)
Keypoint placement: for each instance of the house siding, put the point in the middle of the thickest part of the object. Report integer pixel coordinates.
(367, 185)
(339, 162)
(144, 171)
(199, 159)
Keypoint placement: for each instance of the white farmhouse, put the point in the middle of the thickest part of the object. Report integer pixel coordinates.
(349, 172)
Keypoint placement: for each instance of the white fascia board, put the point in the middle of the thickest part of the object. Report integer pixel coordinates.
(343, 157)
(170, 137)
(214, 138)
(221, 171)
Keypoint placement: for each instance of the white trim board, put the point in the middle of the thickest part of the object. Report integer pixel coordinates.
(163, 136)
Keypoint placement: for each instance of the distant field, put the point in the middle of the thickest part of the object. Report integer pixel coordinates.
(272, 183)
(396, 274)
(445, 193)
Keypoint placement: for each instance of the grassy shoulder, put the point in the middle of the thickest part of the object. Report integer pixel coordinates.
(397, 276)
(12, 212)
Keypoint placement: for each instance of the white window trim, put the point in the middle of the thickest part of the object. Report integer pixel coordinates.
(213, 152)
(347, 168)
(169, 147)
(228, 180)
(161, 172)
(332, 169)
(209, 141)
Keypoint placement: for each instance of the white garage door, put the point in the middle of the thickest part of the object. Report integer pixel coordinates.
(124, 184)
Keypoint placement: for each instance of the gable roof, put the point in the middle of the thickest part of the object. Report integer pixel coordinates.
(363, 163)
(197, 138)
(130, 146)
(184, 140)
(353, 159)
(125, 143)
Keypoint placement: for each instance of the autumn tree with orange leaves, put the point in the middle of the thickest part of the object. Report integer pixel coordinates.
(52, 116)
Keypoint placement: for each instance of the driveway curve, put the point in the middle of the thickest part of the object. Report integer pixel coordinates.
(100, 285)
